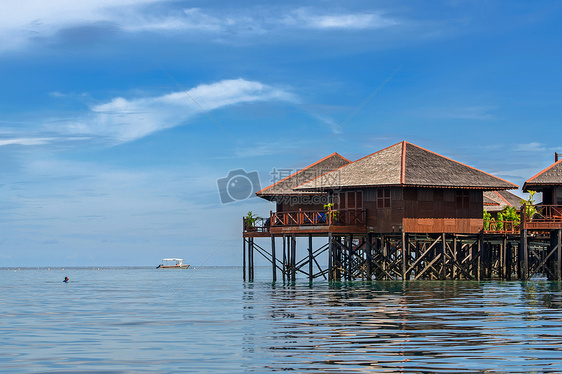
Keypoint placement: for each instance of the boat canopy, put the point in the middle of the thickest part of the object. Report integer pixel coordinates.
(172, 259)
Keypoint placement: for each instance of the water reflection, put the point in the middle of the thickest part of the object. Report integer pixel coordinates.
(405, 327)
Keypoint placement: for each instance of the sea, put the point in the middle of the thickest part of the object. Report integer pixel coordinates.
(208, 320)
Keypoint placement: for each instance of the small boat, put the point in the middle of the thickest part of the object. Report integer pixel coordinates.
(172, 263)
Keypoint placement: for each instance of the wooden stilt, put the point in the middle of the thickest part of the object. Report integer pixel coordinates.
(251, 260)
(244, 260)
(310, 259)
(293, 258)
(284, 258)
(273, 259)
(559, 255)
(524, 256)
(369, 257)
(330, 258)
(444, 255)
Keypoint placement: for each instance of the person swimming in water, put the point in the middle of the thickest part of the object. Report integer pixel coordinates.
(66, 280)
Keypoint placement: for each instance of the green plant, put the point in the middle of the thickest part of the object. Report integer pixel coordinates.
(332, 213)
(250, 219)
(509, 213)
(499, 222)
(530, 208)
(487, 216)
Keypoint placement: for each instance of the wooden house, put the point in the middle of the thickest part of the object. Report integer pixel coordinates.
(406, 188)
(496, 201)
(549, 182)
(549, 212)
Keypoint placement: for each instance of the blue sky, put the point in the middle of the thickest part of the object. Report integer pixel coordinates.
(118, 117)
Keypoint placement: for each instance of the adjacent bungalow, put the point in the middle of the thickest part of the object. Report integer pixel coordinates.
(496, 201)
(549, 182)
(549, 212)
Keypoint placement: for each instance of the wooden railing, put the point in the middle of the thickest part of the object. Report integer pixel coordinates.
(258, 225)
(348, 217)
(546, 217)
(503, 227)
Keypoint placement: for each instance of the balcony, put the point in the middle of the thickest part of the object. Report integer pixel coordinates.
(349, 220)
(547, 217)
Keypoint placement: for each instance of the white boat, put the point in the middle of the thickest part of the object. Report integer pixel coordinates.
(172, 263)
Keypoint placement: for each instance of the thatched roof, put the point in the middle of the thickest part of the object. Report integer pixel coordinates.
(285, 186)
(551, 176)
(494, 201)
(407, 165)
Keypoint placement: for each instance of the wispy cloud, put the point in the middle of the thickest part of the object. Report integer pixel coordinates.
(70, 21)
(313, 18)
(25, 141)
(473, 112)
(126, 119)
(531, 147)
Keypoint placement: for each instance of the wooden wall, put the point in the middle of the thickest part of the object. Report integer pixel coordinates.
(419, 205)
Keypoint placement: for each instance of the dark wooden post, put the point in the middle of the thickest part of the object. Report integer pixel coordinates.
(338, 259)
(350, 258)
(508, 260)
(524, 256)
(404, 256)
(559, 255)
(251, 259)
(454, 258)
(480, 250)
(310, 259)
(444, 254)
(284, 258)
(293, 258)
(503, 258)
(369, 256)
(384, 247)
(273, 259)
(244, 261)
(330, 257)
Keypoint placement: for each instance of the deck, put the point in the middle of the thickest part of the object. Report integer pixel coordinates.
(319, 222)
(354, 221)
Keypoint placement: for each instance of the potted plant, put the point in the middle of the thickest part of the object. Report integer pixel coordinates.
(250, 221)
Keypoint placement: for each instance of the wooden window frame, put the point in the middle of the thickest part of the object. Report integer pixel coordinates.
(383, 198)
(463, 199)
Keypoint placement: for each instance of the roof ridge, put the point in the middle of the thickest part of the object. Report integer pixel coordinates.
(403, 164)
(352, 162)
(543, 171)
(301, 170)
(461, 163)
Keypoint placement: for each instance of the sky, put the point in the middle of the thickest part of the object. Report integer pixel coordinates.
(122, 121)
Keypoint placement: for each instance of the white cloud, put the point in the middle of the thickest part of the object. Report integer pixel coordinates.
(531, 147)
(22, 21)
(25, 19)
(25, 141)
(125, 120)
(312, 18)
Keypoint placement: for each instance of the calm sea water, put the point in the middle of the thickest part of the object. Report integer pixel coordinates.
(123, 320)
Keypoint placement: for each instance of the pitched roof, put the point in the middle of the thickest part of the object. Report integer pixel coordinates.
(406, 164)
(551, 176)
(497, 200)
(285, 186)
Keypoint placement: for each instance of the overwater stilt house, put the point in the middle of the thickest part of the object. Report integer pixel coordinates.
(403, 212)
(541, 226)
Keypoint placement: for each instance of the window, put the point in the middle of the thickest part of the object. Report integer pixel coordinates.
(383, 198)
(463, 199)
(350, 200)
